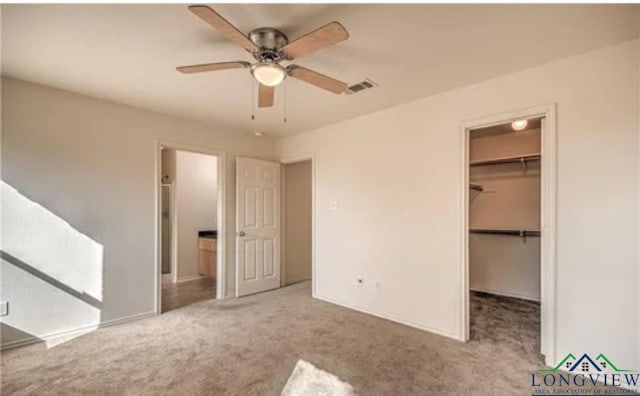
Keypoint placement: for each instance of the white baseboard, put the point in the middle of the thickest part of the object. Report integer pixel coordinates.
(505, 294)
(392, 318)
(58, 334)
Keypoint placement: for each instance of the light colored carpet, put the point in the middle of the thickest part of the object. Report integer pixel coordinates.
(258, 344)
(306, 379)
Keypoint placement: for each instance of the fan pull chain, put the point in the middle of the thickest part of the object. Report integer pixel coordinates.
(253, 101)
(285, 101)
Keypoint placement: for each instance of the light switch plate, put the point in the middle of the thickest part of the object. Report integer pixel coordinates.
(4, 308)
(333, 205)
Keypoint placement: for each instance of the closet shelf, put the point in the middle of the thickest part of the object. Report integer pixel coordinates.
(507, 160)
(506, 231)
(475, 186)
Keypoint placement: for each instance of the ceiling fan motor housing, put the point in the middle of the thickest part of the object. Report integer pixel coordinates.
(269, 41)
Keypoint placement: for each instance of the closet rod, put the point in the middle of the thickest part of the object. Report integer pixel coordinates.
(506, 160)
(513, 232)
(504, 231)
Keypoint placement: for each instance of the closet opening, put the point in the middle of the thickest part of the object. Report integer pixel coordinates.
(504, 218)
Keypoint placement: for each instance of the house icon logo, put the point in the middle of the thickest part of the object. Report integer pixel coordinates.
(586, 364)
(582, 372)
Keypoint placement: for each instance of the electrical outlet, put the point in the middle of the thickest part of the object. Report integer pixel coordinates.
(333, 205)
(360, 281)
(377, 285)
(4, 308)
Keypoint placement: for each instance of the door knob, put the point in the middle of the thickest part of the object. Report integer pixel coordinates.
(242, 233)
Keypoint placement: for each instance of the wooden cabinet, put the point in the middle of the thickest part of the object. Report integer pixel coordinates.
(207, 257)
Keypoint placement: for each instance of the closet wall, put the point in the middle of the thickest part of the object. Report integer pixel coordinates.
(298, 222)
(510, 199)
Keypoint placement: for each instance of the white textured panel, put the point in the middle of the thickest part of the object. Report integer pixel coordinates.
(250, 254)
(259, 215)
(270, 176)
(269, 208)
(250, 173)
(250, 207)
(94, 69)
(268, 254)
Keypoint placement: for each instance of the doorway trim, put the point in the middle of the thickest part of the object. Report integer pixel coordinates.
(221, 280)
(548, 206)
(283, 261)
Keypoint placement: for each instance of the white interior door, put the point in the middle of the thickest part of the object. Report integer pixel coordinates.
(257, 225)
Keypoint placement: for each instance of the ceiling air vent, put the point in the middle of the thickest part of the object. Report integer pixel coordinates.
(361, 86)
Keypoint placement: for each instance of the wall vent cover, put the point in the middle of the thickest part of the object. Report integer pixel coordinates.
(361, 86)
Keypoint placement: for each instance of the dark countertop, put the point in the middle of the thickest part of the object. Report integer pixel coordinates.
(213, 234)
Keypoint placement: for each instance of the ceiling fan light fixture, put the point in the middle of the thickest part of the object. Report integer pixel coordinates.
(268, 73)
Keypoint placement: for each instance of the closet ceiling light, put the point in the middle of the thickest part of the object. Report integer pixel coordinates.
(519, 125)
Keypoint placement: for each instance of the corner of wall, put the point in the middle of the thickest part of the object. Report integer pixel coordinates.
(638, 229)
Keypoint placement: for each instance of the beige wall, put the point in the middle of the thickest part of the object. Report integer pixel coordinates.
(638, 243)
(396, 175)
(88, 167)
(297, 222)
(196, 198)
(168, 164)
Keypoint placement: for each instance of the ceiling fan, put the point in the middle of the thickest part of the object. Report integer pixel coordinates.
(269, 47)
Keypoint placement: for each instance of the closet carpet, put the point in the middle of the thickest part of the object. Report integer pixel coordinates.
(252, 345)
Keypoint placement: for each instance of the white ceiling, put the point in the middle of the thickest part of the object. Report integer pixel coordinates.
(128, 53)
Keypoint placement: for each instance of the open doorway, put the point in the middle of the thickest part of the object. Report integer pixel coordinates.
(297, 218)
(504, 234)
(509, 231)
(189, 227)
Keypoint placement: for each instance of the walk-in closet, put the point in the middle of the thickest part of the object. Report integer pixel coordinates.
(504, 234)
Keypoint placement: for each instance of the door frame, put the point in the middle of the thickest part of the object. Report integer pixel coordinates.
(283, 259)
(221, 281)
(548, 195)
(172, 225)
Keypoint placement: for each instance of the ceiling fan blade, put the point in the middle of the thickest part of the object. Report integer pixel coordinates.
(266, 95)
(323, 37)
(317, 79)
(217, 21)
(205, 67)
